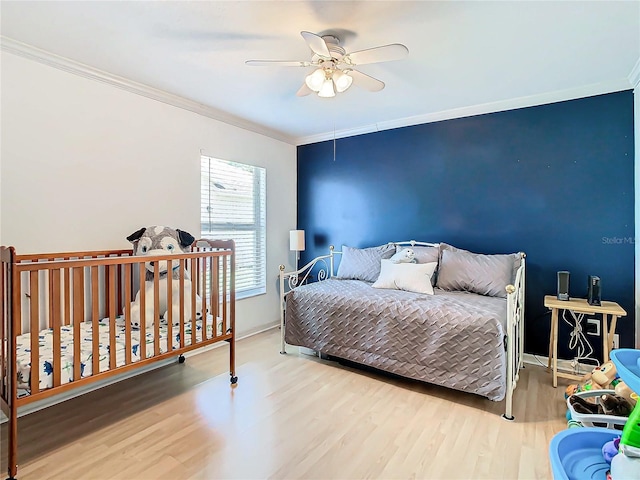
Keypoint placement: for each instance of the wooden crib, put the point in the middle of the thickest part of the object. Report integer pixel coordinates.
(68, 312)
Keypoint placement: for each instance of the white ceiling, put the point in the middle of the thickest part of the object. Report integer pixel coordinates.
(464, 57)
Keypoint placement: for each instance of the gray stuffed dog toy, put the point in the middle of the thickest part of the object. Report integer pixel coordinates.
(159, 240)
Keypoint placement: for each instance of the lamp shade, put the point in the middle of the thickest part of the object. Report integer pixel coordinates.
(315, 80)
(296, 240)
(342, 80)
(327, 90)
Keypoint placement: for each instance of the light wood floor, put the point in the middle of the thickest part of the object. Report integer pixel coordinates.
(292, 417)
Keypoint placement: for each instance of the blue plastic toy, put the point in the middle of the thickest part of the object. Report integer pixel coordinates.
(627, 463)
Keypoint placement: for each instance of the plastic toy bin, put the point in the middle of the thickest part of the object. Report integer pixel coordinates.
(576, 453)
(595, 420)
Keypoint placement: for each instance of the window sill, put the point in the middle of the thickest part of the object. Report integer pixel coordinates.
(250, 293)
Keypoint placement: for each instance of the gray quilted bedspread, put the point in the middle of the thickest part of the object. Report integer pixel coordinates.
(453, 339)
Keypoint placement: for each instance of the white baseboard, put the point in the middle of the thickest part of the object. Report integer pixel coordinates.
(563, 365)
(76, 392)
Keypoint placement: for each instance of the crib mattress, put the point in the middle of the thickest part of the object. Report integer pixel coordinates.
(86, 349)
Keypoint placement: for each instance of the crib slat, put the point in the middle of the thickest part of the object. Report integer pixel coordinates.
(169, 308)
(95, 322)
(78, 314)
(17, 299)
(127, 314)
(143, 311)
(67, 297)
(215, 292)
(183, 300)
(223, 301)
(107, 287)
(196, 274)
(54, 319)
(194, 290)
(34, 329)
(119, 289)
(156, 309)
(204, 299)
(112, 316)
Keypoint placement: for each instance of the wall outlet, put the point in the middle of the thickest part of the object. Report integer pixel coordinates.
(593, 327)
(616, 341)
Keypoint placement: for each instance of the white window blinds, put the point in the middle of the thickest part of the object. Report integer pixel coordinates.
(233, 205)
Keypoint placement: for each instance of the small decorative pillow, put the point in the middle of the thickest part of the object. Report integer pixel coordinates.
(473, 272)
(363, 263)
(411, 277)
(406, 255)
(423, 254)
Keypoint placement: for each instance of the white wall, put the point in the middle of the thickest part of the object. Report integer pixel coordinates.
(84, 164)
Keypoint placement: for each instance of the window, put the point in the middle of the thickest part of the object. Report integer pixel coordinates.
(233, 205)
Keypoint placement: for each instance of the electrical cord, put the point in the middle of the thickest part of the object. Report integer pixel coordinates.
(578, 341)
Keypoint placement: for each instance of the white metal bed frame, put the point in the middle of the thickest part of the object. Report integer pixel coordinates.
(514, 335)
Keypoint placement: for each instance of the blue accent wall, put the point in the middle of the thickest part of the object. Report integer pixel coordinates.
(554, 181)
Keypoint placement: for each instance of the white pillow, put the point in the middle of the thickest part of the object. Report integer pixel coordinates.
(412, 277)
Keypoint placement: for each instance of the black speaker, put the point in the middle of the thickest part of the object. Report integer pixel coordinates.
(563, 285)
(594, 292)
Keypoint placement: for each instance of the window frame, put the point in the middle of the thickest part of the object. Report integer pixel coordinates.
(209, 229)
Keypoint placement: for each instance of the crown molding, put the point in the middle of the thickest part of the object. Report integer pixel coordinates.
(481, 109)
(71, 66)
(634, 76)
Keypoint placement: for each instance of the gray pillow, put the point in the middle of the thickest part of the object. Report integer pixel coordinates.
(474, 272)
(363, 263)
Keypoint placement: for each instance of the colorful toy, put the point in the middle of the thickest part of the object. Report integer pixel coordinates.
(610, 450)
(574, 424)
(623, 390)
(627, 463)
(600, 378)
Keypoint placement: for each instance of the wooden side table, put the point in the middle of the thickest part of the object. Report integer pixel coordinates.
(580, 305)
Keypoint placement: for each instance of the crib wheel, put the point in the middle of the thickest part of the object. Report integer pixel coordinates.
(181, 359)
(234, 380)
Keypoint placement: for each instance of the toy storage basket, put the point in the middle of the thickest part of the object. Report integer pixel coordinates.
(596, 420)
(576, 453)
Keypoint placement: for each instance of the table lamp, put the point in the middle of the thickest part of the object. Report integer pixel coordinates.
(296, 243)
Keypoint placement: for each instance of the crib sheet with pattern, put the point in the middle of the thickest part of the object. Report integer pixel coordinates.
(46, 350)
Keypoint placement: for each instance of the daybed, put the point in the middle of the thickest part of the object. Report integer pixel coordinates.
(455, 320)
(63, 312)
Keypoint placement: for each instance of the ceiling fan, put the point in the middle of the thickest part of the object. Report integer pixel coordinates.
(334, 70)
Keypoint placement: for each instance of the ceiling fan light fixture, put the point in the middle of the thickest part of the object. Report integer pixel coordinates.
(334, 66)
(327, 90)
(342, 80)
(315, 80)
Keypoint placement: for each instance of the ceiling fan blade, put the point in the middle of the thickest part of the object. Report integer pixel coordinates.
(386, 53)
(316, 44)
(304, 91)
(277, 63)
(365, 81)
